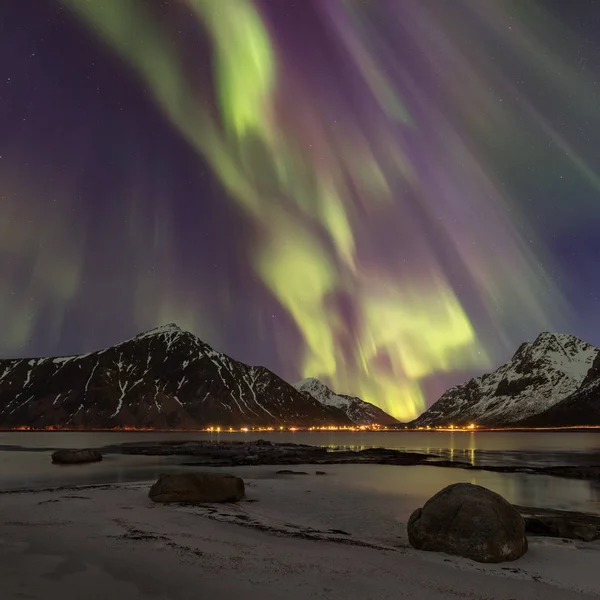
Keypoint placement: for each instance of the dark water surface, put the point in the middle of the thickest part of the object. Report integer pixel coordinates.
(25, 461)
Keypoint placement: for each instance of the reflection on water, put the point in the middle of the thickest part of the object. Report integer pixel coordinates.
(409, 486)
(20, 468)
(420, 483)
(465, 455)
(564, 441)
(475, 448)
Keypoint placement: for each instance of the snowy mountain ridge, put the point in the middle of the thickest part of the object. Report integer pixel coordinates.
(539, 375)
(358, 411)
(162, 378)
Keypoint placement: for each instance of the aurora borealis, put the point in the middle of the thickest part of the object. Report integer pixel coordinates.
(383, 194)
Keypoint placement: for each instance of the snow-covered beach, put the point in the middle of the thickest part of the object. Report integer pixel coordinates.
(294, 536)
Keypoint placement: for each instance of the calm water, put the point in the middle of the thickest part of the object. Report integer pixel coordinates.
(25, 463)
(483, 447)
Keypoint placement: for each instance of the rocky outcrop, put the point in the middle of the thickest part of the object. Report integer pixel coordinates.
(563, 528)
(357, 410)
(540, 375)
(71, 457)
(288, 472)
(218, 454)
(261, 452)
(549, 522)
(470, 521)
(197, 488)
(166, 378)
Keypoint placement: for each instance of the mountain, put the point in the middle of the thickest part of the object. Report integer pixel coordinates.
(582, 407)
(357, 410)
(538, 377)
(164, 378)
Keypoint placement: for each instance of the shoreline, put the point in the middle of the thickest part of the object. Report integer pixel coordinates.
(261, 452)
(525, 511)
(290, 538)
(293, 429)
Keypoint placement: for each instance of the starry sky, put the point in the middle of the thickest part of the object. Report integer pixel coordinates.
(389, 195)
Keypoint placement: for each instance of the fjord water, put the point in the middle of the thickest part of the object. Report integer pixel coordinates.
(25, 461)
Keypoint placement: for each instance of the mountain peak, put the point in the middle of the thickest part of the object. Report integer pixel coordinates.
(168, 329)
(562, 351)
(547, 337)
(311, 383)
(359, 411)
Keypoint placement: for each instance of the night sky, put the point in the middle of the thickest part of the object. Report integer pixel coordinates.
(389, 195)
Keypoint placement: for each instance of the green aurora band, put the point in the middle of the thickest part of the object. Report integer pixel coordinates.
(320, 180)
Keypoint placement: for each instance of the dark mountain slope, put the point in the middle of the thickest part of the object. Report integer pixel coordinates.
(539, 375)
(164, 378)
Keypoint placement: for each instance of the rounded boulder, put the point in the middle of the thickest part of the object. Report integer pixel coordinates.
(470, 521)
(197, 488)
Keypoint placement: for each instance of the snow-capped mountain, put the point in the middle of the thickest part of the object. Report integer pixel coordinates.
(164, 378)
(357, 410)
(582, 407)
(539, 376)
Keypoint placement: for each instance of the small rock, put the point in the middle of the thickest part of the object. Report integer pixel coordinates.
(197, 488)
(562, 528)
(471, 521)
(320, 473)
(288, 472)
(72, 457)
(586, 533)
(451, 464)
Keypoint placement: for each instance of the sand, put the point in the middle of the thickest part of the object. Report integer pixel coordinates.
(295, 537)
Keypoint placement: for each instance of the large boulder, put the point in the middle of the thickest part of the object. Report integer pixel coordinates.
(471, 521)
(72, 457)
(197, 488)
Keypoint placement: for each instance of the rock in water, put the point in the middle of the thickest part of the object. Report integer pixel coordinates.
(71, 457)
(197, 488)
(471, 521)
(562, 527)
(288, 472)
